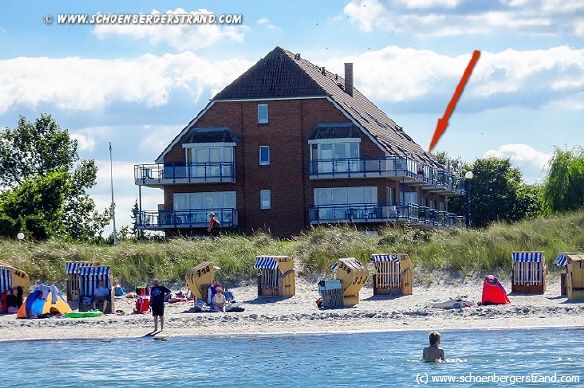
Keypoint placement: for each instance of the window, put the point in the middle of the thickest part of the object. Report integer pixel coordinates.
(262, 113)
(265, 199)
(410, 197)
(210, 160)
(345, 195)
(336, 201)
(197, 206)
(264, 155)
(390, 195)
(335, 155)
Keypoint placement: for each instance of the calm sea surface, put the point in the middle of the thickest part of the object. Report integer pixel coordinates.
(550, 357)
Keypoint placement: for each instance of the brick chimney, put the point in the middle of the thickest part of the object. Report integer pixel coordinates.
(349, 79)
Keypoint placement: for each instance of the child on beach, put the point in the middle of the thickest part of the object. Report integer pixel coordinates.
(219, 301)
(434, 351)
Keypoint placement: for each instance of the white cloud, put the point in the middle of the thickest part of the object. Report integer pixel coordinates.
(531, 162)
(157, 138)
(74, 83)
(178, 36)
(84, 143)
(266, 23)
(534, 78)
(463, 17)
(397, 74)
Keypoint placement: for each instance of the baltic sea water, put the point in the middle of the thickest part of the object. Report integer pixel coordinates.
(531, 357)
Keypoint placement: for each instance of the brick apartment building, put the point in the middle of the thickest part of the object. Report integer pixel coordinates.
(289, 144)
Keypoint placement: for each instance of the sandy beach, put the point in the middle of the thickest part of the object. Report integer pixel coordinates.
(300, 314)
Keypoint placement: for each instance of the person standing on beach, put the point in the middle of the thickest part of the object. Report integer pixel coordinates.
(157, 294)
(213, 228)
(434, 351)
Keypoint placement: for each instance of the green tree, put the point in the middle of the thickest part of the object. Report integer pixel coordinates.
(497, 193)
(563, 189)
(45, 178)
(134, 231)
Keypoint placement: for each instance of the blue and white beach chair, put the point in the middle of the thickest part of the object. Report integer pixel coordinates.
(89, 278)
(528, 275)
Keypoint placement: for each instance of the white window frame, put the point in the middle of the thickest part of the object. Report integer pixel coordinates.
(264, 162)
(320, 142)
(265, 199)
(340, 195)
(226, 155)
(263, 113)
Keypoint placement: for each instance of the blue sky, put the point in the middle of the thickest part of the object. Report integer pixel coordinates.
(139, 85)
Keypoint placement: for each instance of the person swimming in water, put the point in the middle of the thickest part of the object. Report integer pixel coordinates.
(434, 351)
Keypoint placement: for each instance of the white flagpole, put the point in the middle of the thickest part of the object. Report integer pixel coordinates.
(113, 203)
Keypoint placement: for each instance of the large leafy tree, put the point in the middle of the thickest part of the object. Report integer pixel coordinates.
(564, 186)
(497, 193)
(45, 180)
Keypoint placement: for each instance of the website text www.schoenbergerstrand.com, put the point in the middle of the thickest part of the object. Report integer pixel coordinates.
(468, 378)
(145, 19)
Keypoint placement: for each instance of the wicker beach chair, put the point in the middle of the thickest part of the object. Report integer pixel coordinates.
(528, 275)
(89, 278)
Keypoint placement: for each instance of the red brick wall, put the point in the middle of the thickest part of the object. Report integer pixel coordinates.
(290, 124)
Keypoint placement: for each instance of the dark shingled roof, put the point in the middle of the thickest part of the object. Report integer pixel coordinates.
(211, 135)
(282, 74)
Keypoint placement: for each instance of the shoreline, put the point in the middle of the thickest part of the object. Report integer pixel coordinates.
(165, 335)
(299, 315)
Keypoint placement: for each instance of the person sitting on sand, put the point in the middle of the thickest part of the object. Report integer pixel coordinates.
(14, 300)
(218, 302)
(434, 351)
(101, 294)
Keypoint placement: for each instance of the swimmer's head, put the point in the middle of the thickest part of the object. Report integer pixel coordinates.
(434, 338)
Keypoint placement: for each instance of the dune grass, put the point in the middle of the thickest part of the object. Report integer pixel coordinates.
(461, 251)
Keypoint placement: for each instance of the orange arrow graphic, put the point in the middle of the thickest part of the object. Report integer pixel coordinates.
(443, 122)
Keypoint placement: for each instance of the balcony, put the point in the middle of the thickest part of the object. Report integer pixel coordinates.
(158, 175)
(436, 180)
(194, 218)
(406, 169)
(388, 167)
(375, 213)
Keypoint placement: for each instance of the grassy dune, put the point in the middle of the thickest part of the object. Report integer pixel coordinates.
(462, 251)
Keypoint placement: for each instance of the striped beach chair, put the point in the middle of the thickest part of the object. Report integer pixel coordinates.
(528, 275)
(89, 278)
(575, 276)
(72, 271)
(5, 279)
(276, 276)
(12, 277)
(393, 274)
(387, 274)
(562, 261)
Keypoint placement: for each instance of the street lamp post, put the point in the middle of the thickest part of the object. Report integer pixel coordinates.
(113, 203)
(468, 177)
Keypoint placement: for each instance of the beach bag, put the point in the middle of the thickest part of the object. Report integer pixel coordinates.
(120, 291)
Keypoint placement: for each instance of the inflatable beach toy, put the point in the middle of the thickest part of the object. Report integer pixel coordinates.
(85, 314)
